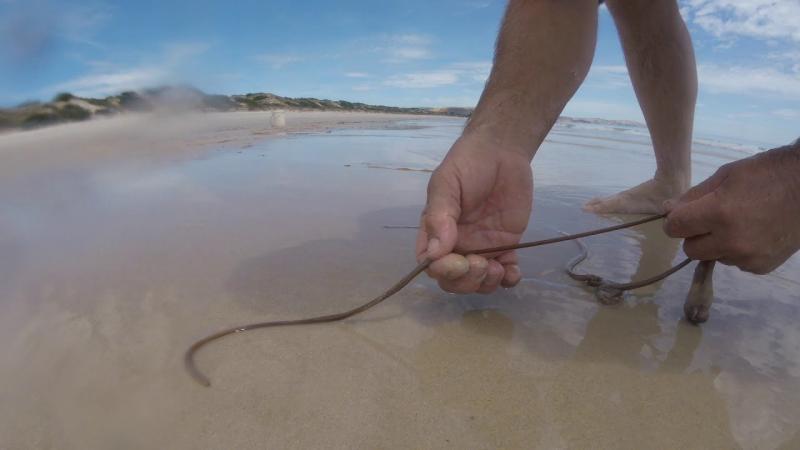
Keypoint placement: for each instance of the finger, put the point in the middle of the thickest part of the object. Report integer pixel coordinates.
(508, 258)
(694, 218)
(494, 275)
(421, 246)
(449, 267)
(438, 230)
(707, 186)
(512, 276)
(471, 281)
(703, 248)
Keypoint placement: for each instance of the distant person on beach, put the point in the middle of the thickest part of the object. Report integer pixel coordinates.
(747, 214)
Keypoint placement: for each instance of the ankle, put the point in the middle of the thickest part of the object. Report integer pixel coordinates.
(678, 181)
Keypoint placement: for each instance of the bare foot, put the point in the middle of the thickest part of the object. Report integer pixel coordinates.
(646, 198)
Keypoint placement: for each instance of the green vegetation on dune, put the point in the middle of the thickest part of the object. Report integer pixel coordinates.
(7, 121)
(101, 102)
(63, 97)
(132, 101)
(39, 119)
(44, 117)
(73, 113)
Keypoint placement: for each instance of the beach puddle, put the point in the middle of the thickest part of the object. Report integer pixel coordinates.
(108, 275)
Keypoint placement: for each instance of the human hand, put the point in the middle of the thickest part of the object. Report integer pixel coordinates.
(480, 196)
(747, 214)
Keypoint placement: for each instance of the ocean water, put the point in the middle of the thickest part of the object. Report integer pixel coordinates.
(108, 274)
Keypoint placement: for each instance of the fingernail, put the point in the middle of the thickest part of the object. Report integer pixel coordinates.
(668, 205)
(433, 246)
(480, 264)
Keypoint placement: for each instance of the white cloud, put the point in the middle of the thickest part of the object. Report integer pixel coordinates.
(479, 4)
(28, 27)
(390, 48)
(408, 53)
(278, 61)
(754, 81)
(79, 23)
(356, 75)
(786, 113)
(620, 110)
(401, 48)
(739, 80)
(411, 39)
(363, 87)
(105, 78)
(789, 59)
(98, 85)
(609, 76)
(474, 70)
(610, 69)
(177, 52)
(464, 73)
(423, 79)
(461, 101)
(762, 19)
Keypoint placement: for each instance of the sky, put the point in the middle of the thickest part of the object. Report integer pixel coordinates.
(403, 53)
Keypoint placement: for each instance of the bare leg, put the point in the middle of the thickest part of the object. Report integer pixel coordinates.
(544, 51)
(660, 59)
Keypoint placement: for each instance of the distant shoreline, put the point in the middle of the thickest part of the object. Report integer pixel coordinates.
(66, 107)
(147, 138)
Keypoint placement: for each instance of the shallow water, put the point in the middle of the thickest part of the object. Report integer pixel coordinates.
(106, 276)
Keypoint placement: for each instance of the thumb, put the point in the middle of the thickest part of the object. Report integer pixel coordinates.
(693, 218)
(438, 231)
(709, 185)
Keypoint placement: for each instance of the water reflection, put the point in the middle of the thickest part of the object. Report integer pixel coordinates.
(616, 379)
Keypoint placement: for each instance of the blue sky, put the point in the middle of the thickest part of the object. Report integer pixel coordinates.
(407, 53)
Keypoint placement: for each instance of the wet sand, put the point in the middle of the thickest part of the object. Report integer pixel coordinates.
(111, 264)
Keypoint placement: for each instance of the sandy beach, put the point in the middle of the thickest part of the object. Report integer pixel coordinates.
(124, 240)
(148, 138)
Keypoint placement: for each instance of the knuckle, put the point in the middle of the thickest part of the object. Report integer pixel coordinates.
(725, 169)
(495, 269)
(433, 181)
(429, 218)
